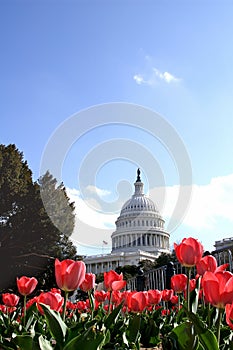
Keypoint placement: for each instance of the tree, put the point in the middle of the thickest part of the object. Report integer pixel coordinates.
(128, 271)
(164, 259)
(29, 240)
(146, 265)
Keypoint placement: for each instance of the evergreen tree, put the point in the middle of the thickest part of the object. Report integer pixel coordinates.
(29, 240)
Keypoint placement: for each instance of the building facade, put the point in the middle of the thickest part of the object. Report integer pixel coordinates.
(139, 234)
(223, 244)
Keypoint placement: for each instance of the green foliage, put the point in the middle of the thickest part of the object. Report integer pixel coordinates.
(164, 259)
(28, 238)
(128, 271)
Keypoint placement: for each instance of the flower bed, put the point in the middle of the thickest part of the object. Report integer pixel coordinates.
(194, 314)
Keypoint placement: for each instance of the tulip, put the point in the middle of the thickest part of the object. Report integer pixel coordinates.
(113, 281)
(207, 263)
(175, 299)
(192, 284)
(124, 297)
(3, 308)
(189, 252)
(218, 288)
(26, 285)
(167, 294)
(229, 315)
(54, 300)
(31, 302)
(218, 291)
(69, 274)
(137, 302)
(81, 306)
(154, 296)
(10, 299)
(179, 283)
(88, 283)
(116, 297)
(100, 295)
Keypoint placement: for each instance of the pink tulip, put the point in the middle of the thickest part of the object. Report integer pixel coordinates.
(69, 274)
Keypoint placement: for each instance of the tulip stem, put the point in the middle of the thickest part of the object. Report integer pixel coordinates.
(178, 301)
(24, 309)
(188, 288)
(209, 315)
(64, 305)
(110, 302)
(92, 303)
(219, 321)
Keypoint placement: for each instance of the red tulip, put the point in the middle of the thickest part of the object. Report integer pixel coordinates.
(113, 281)
(179, 283)
(100, 295)
(218, 288)
(165, 312)
(54, 300)
(154, 296)
(207, 263)
(88, 283)
(116, 297)
(81, 306)
(124, 297)
(69, 274)
(192, 284)
(3, 308)
(137, 302)
(229, 315)
(189, 252)
(118, 285)
(10, 299)
(26, 285)
(167, 294)
(222, 267)
(174, 299)
(31, 302)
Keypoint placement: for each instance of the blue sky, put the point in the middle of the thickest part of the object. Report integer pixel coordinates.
(174, 57)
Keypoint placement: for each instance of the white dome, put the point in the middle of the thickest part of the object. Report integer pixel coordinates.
(140, 225)
(138, 203)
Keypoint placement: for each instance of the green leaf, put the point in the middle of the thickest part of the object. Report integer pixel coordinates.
(87, 341)
(56, 325)
(206, 336)
(24, 342)
(112, 317)
(185, 336)
(133, 328)
(44, 343)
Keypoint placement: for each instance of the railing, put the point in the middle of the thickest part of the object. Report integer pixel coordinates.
(160, 278)
(153, 279)
(224, 256)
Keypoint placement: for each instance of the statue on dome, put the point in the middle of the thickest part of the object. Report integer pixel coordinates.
(138, 175)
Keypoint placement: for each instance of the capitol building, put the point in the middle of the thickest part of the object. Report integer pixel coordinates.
(139, 234)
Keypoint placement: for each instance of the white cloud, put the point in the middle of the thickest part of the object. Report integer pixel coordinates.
(99, 191)
(154, 76)
(139, 79)
(89, 211)
(166, 76)
(209, 204)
